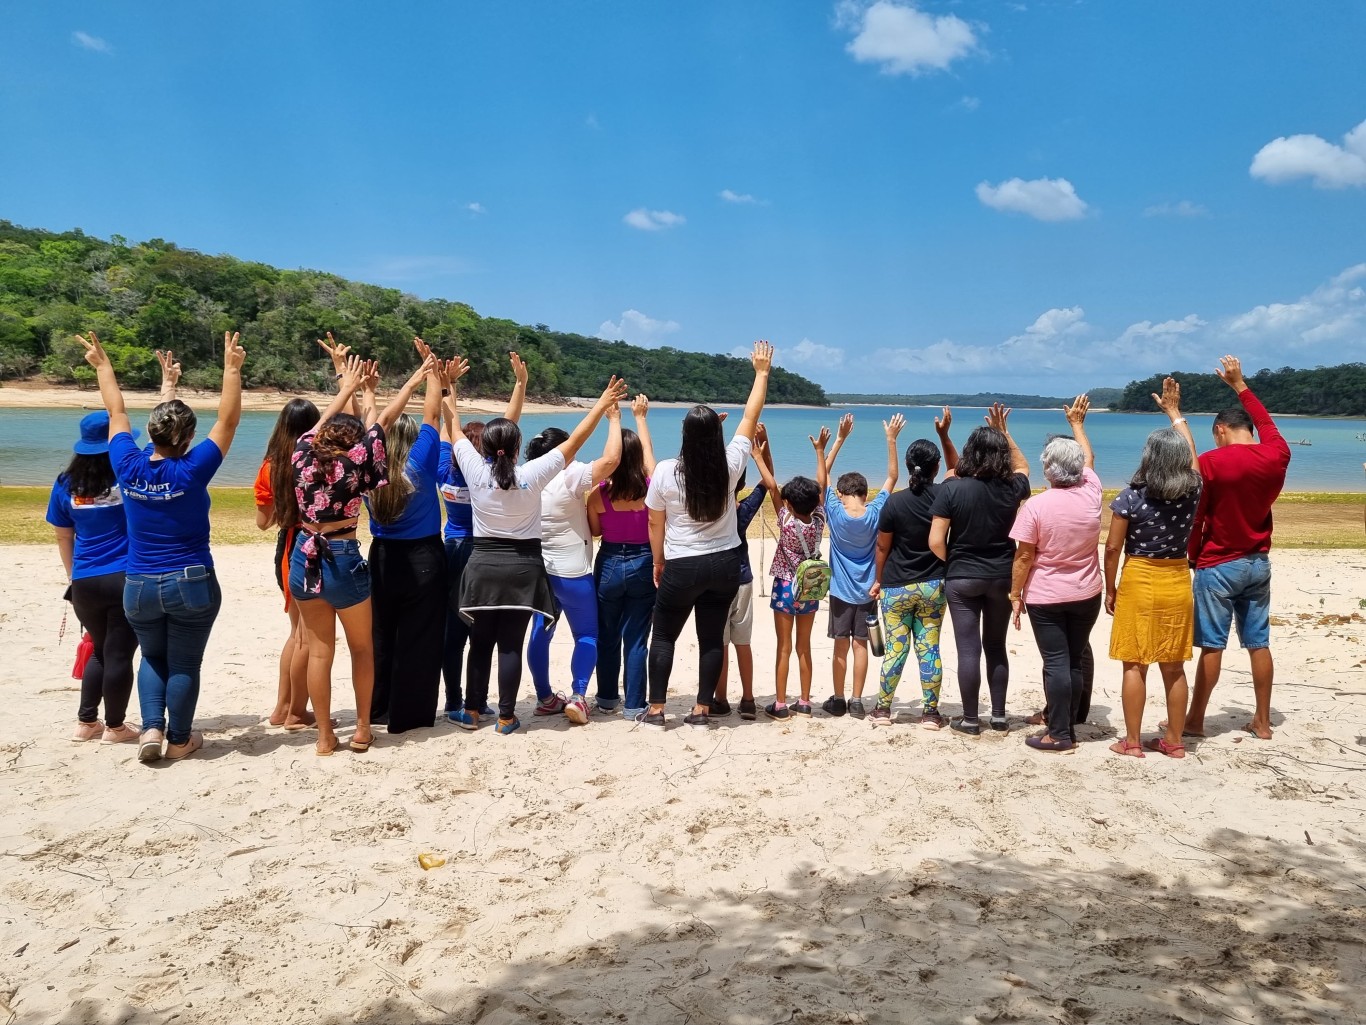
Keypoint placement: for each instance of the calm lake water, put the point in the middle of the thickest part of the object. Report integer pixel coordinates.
(35, 444)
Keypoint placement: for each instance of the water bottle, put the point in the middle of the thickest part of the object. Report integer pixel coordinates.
(875, 644)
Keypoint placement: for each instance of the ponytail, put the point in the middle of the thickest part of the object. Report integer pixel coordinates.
(922, 463)
(502, 438)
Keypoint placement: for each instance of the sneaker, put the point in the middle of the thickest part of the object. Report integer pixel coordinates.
(149, 745)
(576, 711)
(972, 729)
(800, 707)
(120, 734)
(880, 716)
(930, 719)
(697, 721)
(196, 741)
(777, 711)
(632, 714)
(1000, 724)
(506, 726)
(651, 720)
(465, 720)
(856, 708)
(606, 708)
(553, 705)
(87, 731)
(486, 712)
(748, 710)
(719, 707)
(834, 706)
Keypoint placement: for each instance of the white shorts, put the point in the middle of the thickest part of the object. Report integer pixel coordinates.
(740, 622)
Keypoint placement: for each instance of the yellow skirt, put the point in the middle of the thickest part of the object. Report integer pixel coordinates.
(1154, 612)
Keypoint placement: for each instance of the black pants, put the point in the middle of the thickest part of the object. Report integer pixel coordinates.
(1088, 681)
(408, 586)
(701, 584)
(1063, 632)
(980, 610)
(457, 630)
(108, 677)
(504, 629)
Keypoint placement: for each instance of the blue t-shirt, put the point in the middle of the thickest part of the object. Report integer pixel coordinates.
(101, 544)
(456, 494)
(853, 540)
(167, 503)
(745, 511)
(421, 516)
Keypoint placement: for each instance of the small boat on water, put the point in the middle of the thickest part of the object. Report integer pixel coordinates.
(1301, 441)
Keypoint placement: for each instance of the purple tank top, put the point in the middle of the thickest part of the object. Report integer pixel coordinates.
(623, 526)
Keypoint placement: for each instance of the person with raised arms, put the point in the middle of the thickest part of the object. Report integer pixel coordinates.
(171, 595)
(694, 544)
(505, 581)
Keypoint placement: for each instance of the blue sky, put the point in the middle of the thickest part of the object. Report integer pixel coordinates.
(1034, 196)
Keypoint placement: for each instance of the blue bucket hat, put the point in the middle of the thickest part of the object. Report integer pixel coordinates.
(95, 434)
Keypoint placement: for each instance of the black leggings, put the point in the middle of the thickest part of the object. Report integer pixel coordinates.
(1063, 634)
(408, 586)
(506, 630)
(980, 610)
(98, 604)
(703, 585)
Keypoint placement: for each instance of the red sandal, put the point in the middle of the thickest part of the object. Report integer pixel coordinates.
(1160, 745)
(1123, 747)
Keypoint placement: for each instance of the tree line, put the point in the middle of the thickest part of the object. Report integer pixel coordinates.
(140, 297)
(1099, 397)
(1322, 391)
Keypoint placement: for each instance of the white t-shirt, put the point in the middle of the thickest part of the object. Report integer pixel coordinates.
(684, 536)
(566, 541)
(515, 513)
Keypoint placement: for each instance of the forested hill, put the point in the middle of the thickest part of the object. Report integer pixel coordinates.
(140, 297)
(1099, 397)
(1323, 391)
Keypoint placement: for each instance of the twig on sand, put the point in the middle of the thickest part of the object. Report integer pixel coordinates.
(20, 752)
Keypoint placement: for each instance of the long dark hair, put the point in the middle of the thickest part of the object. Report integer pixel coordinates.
(89, 476)
(502, 438)
(629, 483)
(550, 438)
(335, 438)
(702, 472)
(298, 417)
(922, 463)
(986, 455)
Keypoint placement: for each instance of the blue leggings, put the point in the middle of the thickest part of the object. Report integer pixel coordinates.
(579, 600)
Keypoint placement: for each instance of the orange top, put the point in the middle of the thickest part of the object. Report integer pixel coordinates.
(264, 495)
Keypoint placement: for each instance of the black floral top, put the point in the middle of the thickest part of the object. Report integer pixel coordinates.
(333, 494)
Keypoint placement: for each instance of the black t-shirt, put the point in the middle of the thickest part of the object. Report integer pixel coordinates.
(906, 516)
(980, 515)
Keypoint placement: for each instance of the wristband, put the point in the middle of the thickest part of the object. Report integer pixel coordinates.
(1178, 420)
(339, 377)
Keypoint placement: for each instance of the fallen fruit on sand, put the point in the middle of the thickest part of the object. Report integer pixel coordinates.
(430, 861)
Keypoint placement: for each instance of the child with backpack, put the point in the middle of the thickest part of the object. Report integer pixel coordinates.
(853, 522)
(801, 578)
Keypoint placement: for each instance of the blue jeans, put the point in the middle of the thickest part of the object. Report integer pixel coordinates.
(172, 615)
(580, 604)
(626, 602)
(1237, 591)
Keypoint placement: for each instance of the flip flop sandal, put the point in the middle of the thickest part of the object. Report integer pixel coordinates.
(1123, 747)
(1160, 745)
(360, 746)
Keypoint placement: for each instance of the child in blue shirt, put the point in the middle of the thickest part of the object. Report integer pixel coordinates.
(853, 539)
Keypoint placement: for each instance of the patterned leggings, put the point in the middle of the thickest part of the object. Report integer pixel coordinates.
(913, 614)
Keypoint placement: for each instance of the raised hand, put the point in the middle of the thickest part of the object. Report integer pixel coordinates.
(893, 426)
(760, 435)
(1230, 371)
(457, 368)
(94, 351)
(762, 357)
(233, 353)
(640, 407)
(1170, 399)
(423, 349)
(170, 368)
(337, 350)
(519, 370)
(846, 426)
(820, 441)
(369, 378)
(942, 422)
(997, 416)
(355, 372)
(721, 416)
(1076, 412)
(613, 393)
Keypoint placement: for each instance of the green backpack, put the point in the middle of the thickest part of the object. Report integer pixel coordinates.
(812, 582)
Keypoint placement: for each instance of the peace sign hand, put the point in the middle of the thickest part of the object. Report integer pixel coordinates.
(337, 350)
(94, 351)
(170, 368)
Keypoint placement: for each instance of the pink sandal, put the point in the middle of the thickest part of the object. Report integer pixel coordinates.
(1160, 745)
(1123, 747)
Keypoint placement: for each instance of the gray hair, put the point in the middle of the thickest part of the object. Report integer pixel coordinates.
(1063, 461)
(1165, 469)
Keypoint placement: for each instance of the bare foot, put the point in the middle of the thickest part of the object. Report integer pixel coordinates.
(1188, 730)
(307, 721)
(278, 717)
(1260, 732)
(1036, 719)
(325, 746)
(1124, 747)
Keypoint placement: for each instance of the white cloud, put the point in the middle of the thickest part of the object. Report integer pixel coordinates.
(968, 103)
(638, 329)
(88, 42)
(738, 197)
(1044, 199)
(475, 208)
(903, 39)
(1308, 156)
(1181, 208)
(807, 353)
(1333, 312)
(653, 220)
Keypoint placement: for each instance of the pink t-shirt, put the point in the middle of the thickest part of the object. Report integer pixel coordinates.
(1064, 524)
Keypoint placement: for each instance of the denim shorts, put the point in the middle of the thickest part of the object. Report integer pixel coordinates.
(346, 576)
(1235, 591)
(783, 599)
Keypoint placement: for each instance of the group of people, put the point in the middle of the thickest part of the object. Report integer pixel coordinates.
(516, 555)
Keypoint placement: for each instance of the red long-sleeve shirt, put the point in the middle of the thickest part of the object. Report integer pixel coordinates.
(1241, 484)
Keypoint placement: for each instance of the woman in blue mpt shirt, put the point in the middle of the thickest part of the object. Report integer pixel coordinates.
(171, 596)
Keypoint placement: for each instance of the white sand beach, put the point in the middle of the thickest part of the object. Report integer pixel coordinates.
(811, 872)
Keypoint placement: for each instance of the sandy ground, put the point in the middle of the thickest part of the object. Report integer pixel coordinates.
(817, 872)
